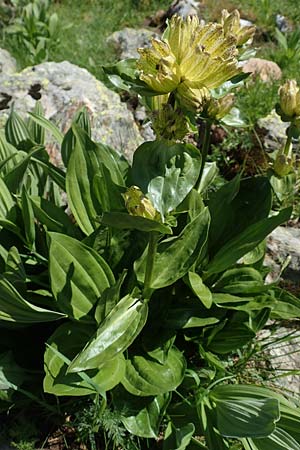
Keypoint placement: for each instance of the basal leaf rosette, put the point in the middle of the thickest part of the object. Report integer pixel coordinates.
(190, 60)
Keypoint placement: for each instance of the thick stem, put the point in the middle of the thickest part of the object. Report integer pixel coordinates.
(205, 148)
(153, 237)
(287, 145)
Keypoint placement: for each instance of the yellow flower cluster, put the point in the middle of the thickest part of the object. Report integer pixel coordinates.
(190, 60)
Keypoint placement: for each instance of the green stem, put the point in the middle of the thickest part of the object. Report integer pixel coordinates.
(205, 148)
(287, 145)
(153, 237)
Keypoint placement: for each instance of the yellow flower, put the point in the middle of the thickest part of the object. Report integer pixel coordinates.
(231, 23)
(137, 204)
(189, 61)
(289, 95)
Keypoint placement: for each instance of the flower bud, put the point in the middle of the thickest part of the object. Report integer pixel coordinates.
(218, 108)
(193, 99)
(284, 162)
(137, 204)
(289, 99)
(169, 124)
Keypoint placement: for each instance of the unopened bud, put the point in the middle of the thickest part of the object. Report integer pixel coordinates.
(284, 162)
(170, 124)
(137, 204)
(289, 99)
(218, 108)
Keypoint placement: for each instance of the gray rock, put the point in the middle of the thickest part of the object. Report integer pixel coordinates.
(274, 130)
(282, 23)
(63, 88)
(184, 8)
(283, 357)
(126, 42)
(245, 23)
(283, 248)
(8, 64)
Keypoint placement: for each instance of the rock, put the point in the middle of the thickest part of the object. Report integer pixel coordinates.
(274, 131)
(63, 88)
(127, 41)
(267, 70)
(283, 246)
(245, 23)
(283, 356)
(282, 23)
(8, 64)
(183, 8)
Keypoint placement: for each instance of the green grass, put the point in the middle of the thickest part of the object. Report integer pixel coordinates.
(85, 25)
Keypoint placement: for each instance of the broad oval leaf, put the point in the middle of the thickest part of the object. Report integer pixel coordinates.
(78, 275)
(114, 335)
(69, 339)
(141, 416)
(145, 376)
(244, 413)
(178, 438)
(166, 172)
(246, 241)
(175, 256)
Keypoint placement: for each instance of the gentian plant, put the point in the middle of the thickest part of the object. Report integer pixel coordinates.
(146, 290)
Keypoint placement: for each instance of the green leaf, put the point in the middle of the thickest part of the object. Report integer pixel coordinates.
(190, 316)
(232, 337)
(178, 438)
(244, 412)
(9, 156)
(28, 218)
(286, 305)
(14, 308)
(199, 289)
(84, 164)
(36, 131)
(114, 335)
(15, 271)
(166, 172)
(210, 172)
(69, 339)
(145, 376)
(11, 374)
(107, 193)
(6, 200)
(126, 221)
(81, 118)
(78, 276)
(47, 125)
(16, 129)
(246, 241)
(279, 440)
(234, 207)
(176, 255)
(141, 416)
(241, 281)
(110, 297)
(15, 177)
(53, 217)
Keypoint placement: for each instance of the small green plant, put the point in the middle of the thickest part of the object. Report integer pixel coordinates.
(36, 30)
